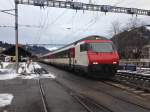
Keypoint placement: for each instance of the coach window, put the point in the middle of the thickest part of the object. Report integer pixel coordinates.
(83, 47)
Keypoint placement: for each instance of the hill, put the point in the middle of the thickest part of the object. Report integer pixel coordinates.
(36, 50)
(130, 43)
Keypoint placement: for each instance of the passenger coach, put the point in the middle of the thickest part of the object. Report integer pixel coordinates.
(94, 55)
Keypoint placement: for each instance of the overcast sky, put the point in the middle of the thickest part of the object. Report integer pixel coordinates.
(64, 25)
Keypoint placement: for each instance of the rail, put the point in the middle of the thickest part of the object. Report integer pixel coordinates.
(42, 92)
(138, 81)
(89, 104)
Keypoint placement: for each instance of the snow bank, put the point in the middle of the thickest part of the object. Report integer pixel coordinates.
(8, 71)
(35, 76)
(36, 65)
(5, 64)
(28, 68)
(148, 28)
(143, 71)
(24, 72)
(5, 99)
(30, 74)
(8, 76)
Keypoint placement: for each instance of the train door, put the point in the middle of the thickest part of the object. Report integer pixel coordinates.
(71, 58)
(81, 57)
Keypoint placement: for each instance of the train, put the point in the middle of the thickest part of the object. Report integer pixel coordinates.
(94, 55)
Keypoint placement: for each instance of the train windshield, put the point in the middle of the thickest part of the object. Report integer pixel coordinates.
(101, 47)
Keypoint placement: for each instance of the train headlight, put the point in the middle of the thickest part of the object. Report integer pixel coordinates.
(95, 63)
(114, 62)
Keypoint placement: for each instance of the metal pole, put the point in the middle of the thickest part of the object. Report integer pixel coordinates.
(16, 34)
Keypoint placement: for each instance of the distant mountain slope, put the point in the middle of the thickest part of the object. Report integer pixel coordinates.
(132, 42)
(37, 50)
(5, 45)
(33, 49)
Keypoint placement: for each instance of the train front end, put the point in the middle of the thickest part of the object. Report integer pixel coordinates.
(103, 57)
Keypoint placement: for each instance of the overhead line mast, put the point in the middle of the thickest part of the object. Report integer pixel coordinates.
(74, 6)
(16, 34)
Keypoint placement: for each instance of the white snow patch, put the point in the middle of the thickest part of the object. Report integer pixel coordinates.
(52, 48)
(5, 64)
(140, 71)
(27, 70)
(148, 27)
(8, 76)
(5, 99)
(35, 76)
(36, 65)
(9, 73)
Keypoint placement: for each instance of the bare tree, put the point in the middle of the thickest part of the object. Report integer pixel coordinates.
(115, 27)
(114, 30)
(133, 23)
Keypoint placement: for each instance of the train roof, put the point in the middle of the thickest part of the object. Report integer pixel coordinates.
(92, 37)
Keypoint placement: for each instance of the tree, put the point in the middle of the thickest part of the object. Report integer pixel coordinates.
(133, 23)
(116, 27)
(114, 30)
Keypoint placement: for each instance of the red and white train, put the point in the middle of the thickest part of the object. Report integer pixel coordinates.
(94, 55)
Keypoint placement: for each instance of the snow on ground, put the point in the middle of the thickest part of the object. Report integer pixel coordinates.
(5, 99)
(8, 76)
(34, 76)
(25, 71)
(8, 71)
(141, 71)
(29, 69)
(148, 28)
(5, 64)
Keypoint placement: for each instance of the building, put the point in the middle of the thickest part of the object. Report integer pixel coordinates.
(146, 52)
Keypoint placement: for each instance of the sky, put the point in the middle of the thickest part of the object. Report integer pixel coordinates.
(63, 26)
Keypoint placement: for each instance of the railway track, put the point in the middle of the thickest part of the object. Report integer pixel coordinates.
(92, 106)
(119, 98)
(89, 104)
(138, 81)
(42, 92)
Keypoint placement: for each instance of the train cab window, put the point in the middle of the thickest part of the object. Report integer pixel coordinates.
(102, 47)
(83, 47)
